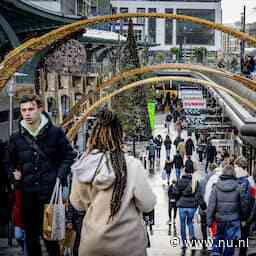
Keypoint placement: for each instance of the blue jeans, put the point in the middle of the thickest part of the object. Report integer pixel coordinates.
(20, 237)
(186, 218)
(227, 231)
(178, 174)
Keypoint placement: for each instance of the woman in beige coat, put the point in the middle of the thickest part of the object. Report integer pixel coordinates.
(114, 191)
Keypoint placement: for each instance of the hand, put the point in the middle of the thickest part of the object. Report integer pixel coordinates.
(69, 226)
(17, 174)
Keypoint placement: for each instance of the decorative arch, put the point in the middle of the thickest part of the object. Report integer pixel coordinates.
(150, 81)
(140, 71)
(24, 52)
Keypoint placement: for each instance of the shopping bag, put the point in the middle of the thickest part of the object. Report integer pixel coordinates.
(164, 175)
(67, 245)
(54, 216)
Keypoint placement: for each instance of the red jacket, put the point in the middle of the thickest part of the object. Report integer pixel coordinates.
(16, 212)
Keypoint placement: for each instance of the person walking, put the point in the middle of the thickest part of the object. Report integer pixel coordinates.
(168, 121)
(158, 142)
(172, 205)
(189, 198)
(168, 146)
(37, 155)
(225, 206)
(178, 164)
(113, 188)
(168, 169)
(190, 147)
(189, 165)
(211, 154)
(151, 148)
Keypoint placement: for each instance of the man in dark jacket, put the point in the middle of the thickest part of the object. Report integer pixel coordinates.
(190, 147)
(189, 165)
(37, 155)
(211, 154)
(168, 146)
(178, 164)
(225, 208)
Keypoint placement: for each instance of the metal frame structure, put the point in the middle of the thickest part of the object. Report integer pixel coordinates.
(150, 81)
(23, 53)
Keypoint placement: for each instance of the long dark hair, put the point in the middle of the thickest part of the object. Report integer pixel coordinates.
(107, 136)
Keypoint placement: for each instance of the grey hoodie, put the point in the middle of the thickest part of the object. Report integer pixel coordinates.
(125, 235)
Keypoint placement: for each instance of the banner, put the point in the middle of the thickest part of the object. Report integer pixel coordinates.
(151, 112)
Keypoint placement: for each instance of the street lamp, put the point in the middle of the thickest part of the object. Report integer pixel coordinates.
(11, 88)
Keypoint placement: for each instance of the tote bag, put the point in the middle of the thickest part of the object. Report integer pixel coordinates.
(54, 216)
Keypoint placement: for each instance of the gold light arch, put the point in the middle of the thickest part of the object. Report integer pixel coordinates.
(140, 71)
(150, 81)
(24, 52)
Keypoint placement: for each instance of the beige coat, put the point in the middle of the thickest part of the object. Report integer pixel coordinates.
(125, 235)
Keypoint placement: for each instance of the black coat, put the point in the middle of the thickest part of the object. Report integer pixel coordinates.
(189, 165)
(178, 161)
(187, 198)
(168, 144)
(190, 147)
(38, 172)
(211, 152)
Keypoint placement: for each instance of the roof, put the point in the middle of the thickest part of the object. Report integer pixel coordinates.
(20, 20)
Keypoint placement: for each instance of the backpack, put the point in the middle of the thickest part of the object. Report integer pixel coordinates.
(169, 118)
(245, 197)
(151, 149)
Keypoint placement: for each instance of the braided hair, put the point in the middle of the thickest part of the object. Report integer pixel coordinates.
(107, 136)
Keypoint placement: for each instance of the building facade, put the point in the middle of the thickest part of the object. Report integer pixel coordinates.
(171, 33)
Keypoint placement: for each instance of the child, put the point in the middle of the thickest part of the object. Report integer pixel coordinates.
(172, 196)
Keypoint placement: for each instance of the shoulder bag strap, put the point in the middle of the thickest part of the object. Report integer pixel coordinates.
(97, 169)
(33, 144)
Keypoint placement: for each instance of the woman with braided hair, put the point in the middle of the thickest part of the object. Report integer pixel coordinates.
(113, 189)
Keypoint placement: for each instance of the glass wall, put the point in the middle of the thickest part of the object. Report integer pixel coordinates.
(190, 33)
(152, 27)
(140, 20)
(168, 28)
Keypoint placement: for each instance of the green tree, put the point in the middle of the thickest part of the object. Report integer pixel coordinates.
(131, 106)
(176, 52)
(159, 57)
(200, 54)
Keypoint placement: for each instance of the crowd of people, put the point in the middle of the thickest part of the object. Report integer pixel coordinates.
(224, 196)
(108, 191)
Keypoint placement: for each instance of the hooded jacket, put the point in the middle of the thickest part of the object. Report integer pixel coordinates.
(39, 172)
(225, 203)
(125, 234)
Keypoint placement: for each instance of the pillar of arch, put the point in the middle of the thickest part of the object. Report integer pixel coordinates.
(24, 52)
(150, 81)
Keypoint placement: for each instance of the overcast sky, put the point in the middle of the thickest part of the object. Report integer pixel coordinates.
(232, 10)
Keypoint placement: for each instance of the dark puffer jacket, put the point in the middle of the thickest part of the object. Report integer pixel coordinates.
(187, 198)
(224, 203)
(38, 173)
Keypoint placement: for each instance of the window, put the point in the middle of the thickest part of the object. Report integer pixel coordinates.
(138, 35)
(152, 27)
(196, 34)
(168, 28)
(124, 10)
(141, 20)
(114, 10)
